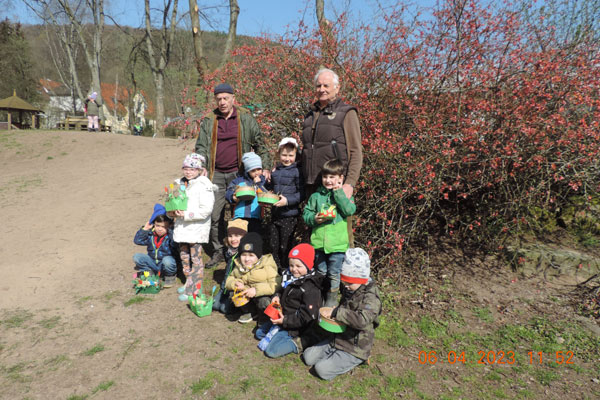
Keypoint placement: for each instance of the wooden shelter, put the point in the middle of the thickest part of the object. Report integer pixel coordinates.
(16, 104)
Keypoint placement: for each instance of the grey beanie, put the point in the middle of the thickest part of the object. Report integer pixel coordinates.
(356, 267)
(251, 161)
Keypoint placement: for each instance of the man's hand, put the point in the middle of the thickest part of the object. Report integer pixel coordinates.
(267, 174)
(348, 190)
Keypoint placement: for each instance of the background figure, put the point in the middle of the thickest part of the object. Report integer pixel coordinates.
(92, 107)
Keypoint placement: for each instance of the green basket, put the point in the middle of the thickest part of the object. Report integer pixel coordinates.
(202, 306)
(154, 287)
(176, 203)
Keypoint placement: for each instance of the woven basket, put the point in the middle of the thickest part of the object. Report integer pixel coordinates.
(330, 324)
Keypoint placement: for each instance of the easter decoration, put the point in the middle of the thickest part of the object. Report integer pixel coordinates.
(176, 199)
(273, 310)
(328, 323)
(328, 213)
(147, 283)
(244, 192)
(266, 198)
(199, 303)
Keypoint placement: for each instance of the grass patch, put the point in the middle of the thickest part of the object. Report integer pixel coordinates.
(111, 294)
(393, 385)
(392, 332)
(49, 323)
(431, 328)
(103, 386)
(248, 383)
(544, 376)
(83, 300)
(77, 397)
(96, 349)
(56, 360)
(484, 314)
(136, 300)
(17, 319)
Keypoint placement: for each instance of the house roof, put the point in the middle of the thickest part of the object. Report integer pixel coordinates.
(16, 103)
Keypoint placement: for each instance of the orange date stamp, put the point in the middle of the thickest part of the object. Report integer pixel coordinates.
(495, 357)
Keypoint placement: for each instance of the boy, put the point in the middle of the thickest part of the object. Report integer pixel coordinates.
(254, 275)
(157, 236)
(287, 181)
(359, 311)
(236, 230)
(248, 210)
(326, 213)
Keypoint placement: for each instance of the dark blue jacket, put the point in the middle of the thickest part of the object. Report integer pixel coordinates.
(245, 209)
(287, 181)
(168, 247)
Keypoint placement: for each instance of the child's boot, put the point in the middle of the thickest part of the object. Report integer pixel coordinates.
(331, 300)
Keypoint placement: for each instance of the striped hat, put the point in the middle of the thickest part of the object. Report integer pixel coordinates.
(356, 267)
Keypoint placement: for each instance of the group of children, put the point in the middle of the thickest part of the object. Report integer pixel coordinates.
(300, 282)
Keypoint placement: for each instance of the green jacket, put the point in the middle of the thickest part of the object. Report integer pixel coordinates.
(249, 139)
(329, 236)
(360, 312)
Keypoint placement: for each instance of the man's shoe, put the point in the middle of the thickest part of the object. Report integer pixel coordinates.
(215, 260)
(169, 281)
(245, 318)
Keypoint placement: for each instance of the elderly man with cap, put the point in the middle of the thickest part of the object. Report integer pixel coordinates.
(225, 134)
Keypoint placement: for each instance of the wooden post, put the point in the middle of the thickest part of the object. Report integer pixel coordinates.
(32, 121)
(9, 120)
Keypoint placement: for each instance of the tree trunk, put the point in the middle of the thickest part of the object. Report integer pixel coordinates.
(159, 63)
(328, 42)
(234, 11)
(199, 59)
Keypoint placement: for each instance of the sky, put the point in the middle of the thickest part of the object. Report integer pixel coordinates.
(256, 16)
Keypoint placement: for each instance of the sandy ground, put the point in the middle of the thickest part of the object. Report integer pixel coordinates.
(71, 203)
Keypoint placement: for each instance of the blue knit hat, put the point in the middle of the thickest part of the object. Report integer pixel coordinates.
(159, 209)
(223, 88)
(251, 161)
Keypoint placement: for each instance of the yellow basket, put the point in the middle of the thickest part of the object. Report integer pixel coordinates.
(239, 299)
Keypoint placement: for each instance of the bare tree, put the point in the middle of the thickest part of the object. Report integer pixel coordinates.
(234, 11)
(328, 41)
(158, 60)
(200, 60)
(90, 39)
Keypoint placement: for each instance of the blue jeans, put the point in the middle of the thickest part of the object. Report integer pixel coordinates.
(144, 262)
(281, 343)
(330, 265)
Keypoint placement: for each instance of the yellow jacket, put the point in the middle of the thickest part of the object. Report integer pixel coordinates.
(262, 276)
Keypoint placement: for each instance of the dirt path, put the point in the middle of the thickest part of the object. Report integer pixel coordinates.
(71, 327)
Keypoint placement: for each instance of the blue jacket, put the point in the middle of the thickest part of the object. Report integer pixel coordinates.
(245, 209)
(168, 247)
(287, 181)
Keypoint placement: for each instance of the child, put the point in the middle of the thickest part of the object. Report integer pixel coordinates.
(329, 234)
(359, 311)
(249, 210)
(92, 109)
(254, 275)
(192, 226)
(236, 230)
(300, 299)
(287, 181)
(157, 236)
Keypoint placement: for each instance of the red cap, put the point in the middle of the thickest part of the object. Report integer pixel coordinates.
(305, 253)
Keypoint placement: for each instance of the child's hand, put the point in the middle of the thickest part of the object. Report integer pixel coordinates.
(235, 199)
(283, 201)
(250, 292)
(319, 219)
(148, 226)
(275, 300)
(171, 214)
(256, 179)
(238, 286)
(326, 313)
(278, 321)
(339, 183)
(179, 213)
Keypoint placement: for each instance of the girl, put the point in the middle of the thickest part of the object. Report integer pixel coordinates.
(192, 226)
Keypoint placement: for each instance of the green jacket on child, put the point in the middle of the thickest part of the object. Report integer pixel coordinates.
(329, 236)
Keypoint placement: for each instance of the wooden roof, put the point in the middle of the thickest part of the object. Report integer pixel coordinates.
(15, 103)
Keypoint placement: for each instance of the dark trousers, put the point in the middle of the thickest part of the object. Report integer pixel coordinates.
(217, 229)
(281, 240)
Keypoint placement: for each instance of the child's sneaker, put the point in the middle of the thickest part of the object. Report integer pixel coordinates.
(245, 318)
(169, 281)
(183, 297)
(180, 290)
